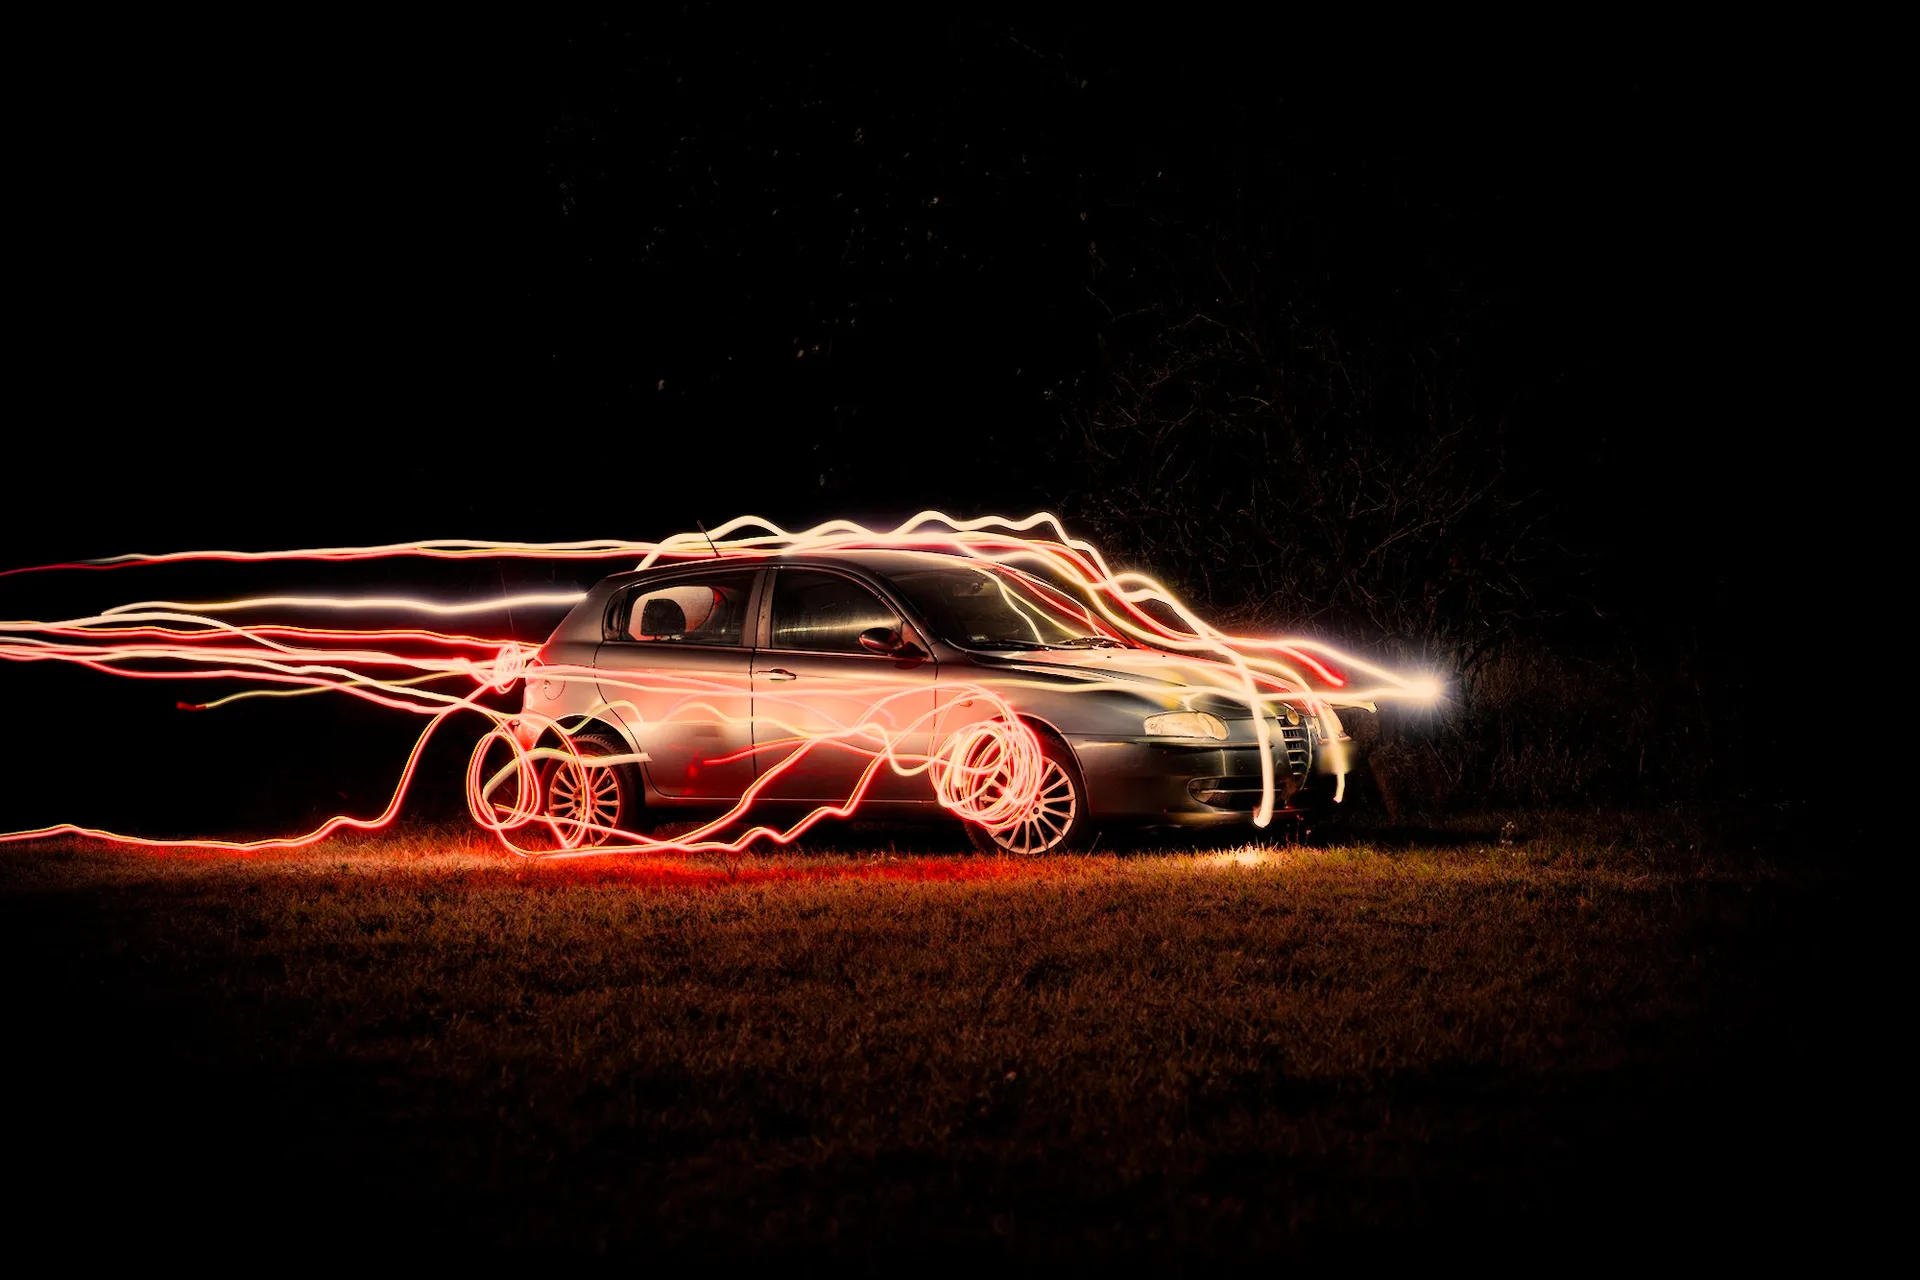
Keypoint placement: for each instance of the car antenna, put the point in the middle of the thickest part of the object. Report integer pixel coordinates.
(709, 537)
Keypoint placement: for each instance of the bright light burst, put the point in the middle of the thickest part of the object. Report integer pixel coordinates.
(986, 769)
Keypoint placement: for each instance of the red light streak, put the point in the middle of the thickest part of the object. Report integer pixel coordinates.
(986, 770)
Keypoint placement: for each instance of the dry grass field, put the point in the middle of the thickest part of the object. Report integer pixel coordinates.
(1593, 1035)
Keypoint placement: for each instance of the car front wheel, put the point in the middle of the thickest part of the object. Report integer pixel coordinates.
(1058, 821)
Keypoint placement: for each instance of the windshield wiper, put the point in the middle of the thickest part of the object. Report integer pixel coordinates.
(1079, 642)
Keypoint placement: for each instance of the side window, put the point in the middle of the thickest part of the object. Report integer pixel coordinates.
(708, 610)
(824, 611)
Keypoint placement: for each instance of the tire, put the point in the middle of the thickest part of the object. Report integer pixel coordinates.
(613, 796)
(1062, 823)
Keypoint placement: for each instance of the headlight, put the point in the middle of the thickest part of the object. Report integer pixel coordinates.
(1186, 724)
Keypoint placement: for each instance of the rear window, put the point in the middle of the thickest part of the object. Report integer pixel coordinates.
(710, 610)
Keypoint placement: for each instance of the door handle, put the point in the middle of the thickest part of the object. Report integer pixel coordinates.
(779, 673)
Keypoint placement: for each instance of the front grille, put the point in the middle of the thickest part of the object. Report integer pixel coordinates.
(1293, 741)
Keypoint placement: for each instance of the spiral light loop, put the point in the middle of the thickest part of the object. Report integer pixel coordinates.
(990, 772)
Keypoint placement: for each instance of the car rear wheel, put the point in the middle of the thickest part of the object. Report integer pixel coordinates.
(585, 796)
(1058, 822)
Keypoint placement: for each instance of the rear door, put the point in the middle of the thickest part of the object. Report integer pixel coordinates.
(676, 670)
(813, 686)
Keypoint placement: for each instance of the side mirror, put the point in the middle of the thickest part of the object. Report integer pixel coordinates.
(885, 641)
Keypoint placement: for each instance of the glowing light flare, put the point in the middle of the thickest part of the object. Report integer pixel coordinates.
(986, 771)
(355, 604)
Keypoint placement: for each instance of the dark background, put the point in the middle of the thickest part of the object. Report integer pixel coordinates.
(325, 285)
(1221, 293)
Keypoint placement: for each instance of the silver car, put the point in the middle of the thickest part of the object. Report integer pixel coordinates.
(704, 682)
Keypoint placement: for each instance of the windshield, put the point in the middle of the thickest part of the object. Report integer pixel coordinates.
(979, 606)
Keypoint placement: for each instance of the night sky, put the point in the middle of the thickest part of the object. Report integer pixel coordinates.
(305, 286)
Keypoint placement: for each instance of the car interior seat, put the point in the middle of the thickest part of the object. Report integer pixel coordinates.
(661, 617)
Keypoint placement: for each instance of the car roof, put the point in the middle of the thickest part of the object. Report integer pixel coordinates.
(884, 561)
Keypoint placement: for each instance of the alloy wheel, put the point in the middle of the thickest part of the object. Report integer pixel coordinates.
(584, 795)
(1046, 824)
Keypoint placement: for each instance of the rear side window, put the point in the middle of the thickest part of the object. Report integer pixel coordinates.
(824, 612)
(710, 610)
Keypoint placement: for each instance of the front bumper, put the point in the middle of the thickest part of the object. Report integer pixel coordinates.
(1150, 780)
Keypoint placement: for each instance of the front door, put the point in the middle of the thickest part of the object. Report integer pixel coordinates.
(826, 705)
(678, 674)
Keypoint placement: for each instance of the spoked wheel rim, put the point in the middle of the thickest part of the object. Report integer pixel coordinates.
(1047, 823)
(583, 796)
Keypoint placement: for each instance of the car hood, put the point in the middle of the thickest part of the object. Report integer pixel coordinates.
(1146, 667)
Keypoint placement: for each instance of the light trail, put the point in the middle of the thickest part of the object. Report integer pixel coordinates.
(985, 769)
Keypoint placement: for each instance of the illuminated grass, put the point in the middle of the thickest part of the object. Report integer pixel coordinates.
(1231, 1051)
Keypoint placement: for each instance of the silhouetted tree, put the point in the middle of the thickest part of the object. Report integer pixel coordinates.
(1287, 467)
